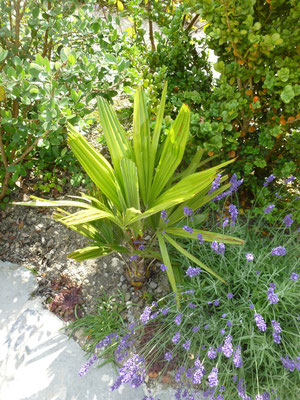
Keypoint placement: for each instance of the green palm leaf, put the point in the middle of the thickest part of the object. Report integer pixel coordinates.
(192, 258)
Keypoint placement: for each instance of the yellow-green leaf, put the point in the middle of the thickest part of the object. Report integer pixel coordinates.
(192, 258)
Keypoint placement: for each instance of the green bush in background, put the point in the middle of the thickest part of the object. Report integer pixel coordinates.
(55, 57)
(254, 109)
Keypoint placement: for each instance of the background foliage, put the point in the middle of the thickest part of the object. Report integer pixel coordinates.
(55, 57)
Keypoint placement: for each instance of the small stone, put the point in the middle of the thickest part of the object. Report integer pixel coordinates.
(127, 297)
(39, 227)
(153, 285)
(50, 243)
(115, 262)
(124, 286)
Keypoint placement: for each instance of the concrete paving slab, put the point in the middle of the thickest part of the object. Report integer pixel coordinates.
(37, 361)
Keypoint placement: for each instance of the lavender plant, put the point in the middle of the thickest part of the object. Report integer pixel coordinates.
(234, 341)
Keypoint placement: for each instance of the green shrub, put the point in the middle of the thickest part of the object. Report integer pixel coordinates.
(54, 59)
(253, 113)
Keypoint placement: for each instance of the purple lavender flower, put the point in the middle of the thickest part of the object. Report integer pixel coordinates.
(192, 305)
(269, 208)
(168, 356)
(187, 345)
(176, 337)
(215, 184)
(269, 179)
(233, 213)
(215, 246)
(199, 373)
(141, 247)
(200, 238)
(278, 251)
(163, 214)
(277, 195)
(213, 377)
(179, 372)
(192, 291)
(219, 349)
(276, 337)
(241, 390)
(294, 276)
(259, 397)
(229, 323)
(288, 363)
(196, 329)
(288, 220)
(133, 258)
(225, 222)
(290, 179)
(272, 296)
(222, 388)
(230, 296)
(224, 315)
(218, 248)
(222, 331)
(276, 326)
(235, 183)
(249, 257)
(227, 347)
(266, 396)
(84, 369)
(188, 211)
(206, 326)
(260, 322)
(216, 302)
(211, 353)
(193, 271)
(145, 315)
(221, 248)
(188, 229)
(237, 359)
(163, 267)
(165, 310)
(178, 319)
(272, 285)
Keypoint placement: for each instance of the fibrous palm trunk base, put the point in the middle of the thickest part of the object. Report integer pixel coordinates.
(137, 272)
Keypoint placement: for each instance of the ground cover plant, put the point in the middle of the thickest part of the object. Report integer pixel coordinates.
(141, 192)
(239, 340)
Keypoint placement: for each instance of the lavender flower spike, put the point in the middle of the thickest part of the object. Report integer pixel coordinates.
(260, 322)
(249, 257)
(272, 296)
(84, 369)
(215, 184)
(290, 179)
(176, 337)
(278, 251)
(213, 378)
(294, 276)
(288, 220)
(237, 359)
(227, 347)
(233, 213)
(269, 179)
(146, 315)
(269, 208)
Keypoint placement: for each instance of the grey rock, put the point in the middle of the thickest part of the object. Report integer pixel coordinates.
(127, 297)
(153, 285)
